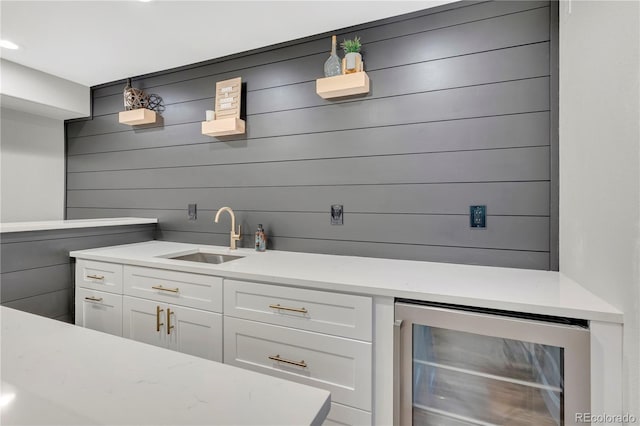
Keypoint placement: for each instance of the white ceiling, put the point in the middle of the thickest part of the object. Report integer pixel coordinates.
(94, 42)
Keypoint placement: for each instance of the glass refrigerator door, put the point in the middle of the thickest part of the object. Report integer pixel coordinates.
(468, 368)
(467, 379)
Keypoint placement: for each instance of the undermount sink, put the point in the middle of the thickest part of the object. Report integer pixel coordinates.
(203, 257)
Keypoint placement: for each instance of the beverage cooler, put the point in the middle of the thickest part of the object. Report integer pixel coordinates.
(461, 366)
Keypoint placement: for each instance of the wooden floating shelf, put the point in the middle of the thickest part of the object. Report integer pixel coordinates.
(135, 117)
(223, 127)
(343, 85)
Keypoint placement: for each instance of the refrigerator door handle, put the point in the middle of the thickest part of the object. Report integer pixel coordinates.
(397, 326)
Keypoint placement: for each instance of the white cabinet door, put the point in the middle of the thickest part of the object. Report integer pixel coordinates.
(144, 321)
(195, 332)
(99, 311)
(181, 329)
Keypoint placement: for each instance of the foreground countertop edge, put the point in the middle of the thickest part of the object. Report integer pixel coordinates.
(37, 353)
(595, 309)
(48, 225)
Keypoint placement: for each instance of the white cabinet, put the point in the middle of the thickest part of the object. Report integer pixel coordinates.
(319, 338)
(174, 310)
(98, 296)
(99, 310)
(186, 330)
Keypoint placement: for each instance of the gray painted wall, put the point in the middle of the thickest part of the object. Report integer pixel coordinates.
(460, 113)
(37, 274)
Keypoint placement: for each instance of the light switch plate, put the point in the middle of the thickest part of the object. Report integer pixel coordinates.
(337, 214)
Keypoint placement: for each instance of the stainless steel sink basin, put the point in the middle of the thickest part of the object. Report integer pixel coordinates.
(206, 257)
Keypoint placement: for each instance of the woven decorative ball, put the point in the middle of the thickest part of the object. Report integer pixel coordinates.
(154, 102)
(135, 98)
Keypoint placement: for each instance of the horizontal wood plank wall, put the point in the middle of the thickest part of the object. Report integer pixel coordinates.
(37, 274)
(458, 114)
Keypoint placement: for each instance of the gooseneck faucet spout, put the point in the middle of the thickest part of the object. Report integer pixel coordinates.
(234, 237)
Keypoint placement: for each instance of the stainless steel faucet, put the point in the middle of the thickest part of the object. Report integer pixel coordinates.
(234, 237)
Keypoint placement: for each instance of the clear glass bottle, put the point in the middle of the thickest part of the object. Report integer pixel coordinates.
(261, 239)
(333, 65)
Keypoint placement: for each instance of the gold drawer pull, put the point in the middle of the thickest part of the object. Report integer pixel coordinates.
(169, 326)
(93, 299)
(158, 323)
(172, 290)
(288, 361)
(96, 277)
(284, 308)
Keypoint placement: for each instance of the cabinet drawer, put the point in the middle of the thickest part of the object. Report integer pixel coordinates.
(341, 366)
(179, 288)
(99, 310)
(100, 276)
(341, 415)
(325, 312)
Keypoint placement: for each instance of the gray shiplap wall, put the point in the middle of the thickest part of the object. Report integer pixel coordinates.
(460, 113)
(36, 273)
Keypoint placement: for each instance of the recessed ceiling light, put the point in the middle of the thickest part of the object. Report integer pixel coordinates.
(8, 44)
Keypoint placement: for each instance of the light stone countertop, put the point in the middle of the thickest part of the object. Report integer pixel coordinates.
(55, 373)
(48, 225)
(519, 290)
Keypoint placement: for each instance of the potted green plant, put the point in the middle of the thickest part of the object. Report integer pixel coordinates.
(352, 54)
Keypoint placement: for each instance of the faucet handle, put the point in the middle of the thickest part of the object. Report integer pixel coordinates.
(239, 231)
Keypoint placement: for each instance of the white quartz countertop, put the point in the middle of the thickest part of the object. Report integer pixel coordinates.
(520, 290)
(71, 224)
(55, 373)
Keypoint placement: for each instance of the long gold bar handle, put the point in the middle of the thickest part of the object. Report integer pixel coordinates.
(96, 277)
(284, 308)
(158, 323)
(159, 287)
(288, 361)
(93, 299)
(169, 326)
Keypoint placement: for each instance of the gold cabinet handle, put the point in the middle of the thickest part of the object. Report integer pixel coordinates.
(284, 308)
(288, 361)
(169, 326)
(158, 323)
(93, 299)
(96, 277)
(159, 287)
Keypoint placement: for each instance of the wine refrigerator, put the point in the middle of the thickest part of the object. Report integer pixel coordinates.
(462, 366)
